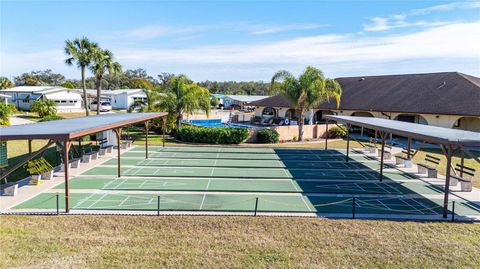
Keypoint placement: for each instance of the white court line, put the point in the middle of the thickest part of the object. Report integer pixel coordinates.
(98, 200)
(384, 205)
(124, 200)
(208, 183)
(83, 200)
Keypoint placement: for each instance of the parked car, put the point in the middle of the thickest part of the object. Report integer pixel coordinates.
(104, 106)
(233, 107)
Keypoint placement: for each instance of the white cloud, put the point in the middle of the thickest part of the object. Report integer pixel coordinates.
(266, 29)
(400, 20)
(439, 48)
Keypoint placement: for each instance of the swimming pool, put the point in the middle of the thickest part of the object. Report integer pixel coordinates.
(215, 123)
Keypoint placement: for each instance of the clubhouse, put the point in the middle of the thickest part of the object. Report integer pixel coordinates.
(448, 99)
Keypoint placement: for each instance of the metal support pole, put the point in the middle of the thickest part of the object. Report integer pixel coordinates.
(326, 134)
(256, 207)
(462, 162)
(146, 139)
(29, 147)
(353, 207)
(348, 142)
(158, 205)
(58, 204)
(118, 132)
(453, 211)
(409, 148)
(66, 149)
(381, 155)
(447, 180)
(163, 131)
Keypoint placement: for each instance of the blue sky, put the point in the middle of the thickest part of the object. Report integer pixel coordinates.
(247, 40)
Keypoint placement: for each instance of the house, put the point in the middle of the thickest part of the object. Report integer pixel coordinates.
(67, 100)
(448, 99)
(241, 100)
(4, 98)
(124, 99)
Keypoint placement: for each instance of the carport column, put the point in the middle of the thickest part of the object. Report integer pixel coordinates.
(348, 141)
(29, 147)
(118, 133)
(447, 180)
(146, 139)
(66, 149)
(409, 148)
(326, 135)
(462, 161)
(382, 135)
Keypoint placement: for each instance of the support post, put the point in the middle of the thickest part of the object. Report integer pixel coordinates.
(382, 135)
(66, 149)
(58, 204)
(447, 180)
(146, 139)
(29, 147)
(163, 131)
(348, 142)
(326, 134)
(256, 207)
(118, 133)
(409, 148)
(453, 211)
(158, 205)
(462, 161)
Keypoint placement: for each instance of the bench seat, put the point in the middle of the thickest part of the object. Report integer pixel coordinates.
(465, 184)
(426, 169)
(10, 189)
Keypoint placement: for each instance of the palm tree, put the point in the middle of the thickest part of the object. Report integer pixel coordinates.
(180, 96)
(81, 51)
(307, 92)
(103, 62)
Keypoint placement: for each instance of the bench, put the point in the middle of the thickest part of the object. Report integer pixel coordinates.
(104, 148)
(371, 147)
(403, 159)
(465, 184)
(90, 155)
(429, 167)
(10, 189)
(72, 162)
(387, 154)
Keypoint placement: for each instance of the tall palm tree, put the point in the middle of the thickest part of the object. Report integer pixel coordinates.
(103, 62)
(306, 92)
(81, 51)
(181, 96)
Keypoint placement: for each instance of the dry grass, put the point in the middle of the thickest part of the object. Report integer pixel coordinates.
(233, 242)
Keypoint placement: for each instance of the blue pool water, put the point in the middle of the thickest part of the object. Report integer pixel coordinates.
(215, 123)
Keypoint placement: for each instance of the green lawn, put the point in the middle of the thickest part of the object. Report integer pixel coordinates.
(233, 242)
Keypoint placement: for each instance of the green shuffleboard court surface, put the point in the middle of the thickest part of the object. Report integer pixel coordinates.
(250, 185)
(246, 156)
(245, 202)
(232, 178)
(245, 163)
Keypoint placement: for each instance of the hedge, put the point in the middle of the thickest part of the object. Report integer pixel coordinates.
(221, 135)
(337, 132)
(267, 136)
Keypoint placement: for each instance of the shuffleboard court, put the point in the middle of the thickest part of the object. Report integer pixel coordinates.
(223, 172)
(245, 163)
(250, 185)
(231, 179)
(246, 202)
(247, 156)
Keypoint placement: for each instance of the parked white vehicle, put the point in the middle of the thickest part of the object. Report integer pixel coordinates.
(104, 106)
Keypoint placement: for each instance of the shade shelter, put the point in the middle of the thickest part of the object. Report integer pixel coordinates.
(448, 139)
(65, 131)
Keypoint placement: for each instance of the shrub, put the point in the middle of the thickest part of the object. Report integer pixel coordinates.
(38, 166)
(337, 132)
(6, 110)
(44, 107)
(52, 117)
(220, 135)
(267, 136)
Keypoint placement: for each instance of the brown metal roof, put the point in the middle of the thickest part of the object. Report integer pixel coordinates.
(73, 128)
(449, 93)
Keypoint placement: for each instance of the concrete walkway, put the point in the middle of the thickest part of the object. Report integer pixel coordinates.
(15, 120)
